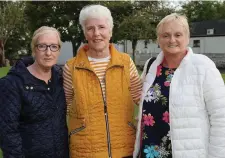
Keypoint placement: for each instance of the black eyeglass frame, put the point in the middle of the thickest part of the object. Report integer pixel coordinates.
(47, 46)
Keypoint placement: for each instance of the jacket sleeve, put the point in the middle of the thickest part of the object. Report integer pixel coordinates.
(10, 139)
(214, 96)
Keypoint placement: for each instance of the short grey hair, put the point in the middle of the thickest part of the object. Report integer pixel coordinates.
(95, 11)
(174, 16)
(41, 31)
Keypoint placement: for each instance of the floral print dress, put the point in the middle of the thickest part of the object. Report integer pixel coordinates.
(155, 142)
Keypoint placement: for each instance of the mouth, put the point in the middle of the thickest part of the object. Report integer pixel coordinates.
(97, 40)
(173, 46)
(48, 60)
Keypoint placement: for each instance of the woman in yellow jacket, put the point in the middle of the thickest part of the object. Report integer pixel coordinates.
(101, 86)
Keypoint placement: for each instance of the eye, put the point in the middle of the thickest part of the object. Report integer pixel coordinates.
(165, 36)
(41, 46)
(89, 28)
(54, 46)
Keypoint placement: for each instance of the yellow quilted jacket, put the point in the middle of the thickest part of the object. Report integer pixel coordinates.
(101, 128)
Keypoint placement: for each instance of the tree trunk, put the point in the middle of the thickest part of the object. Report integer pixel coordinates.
(76, 45)
(134, 44)
(2, 54)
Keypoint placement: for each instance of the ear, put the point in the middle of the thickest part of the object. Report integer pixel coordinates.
(188, 40)
(85, 36)
(110, 33)
(33, 55)
(157, 40)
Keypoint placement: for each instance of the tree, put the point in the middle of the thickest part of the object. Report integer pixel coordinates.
(11, 15)
(63, 15)
(19, 42)
(142, 22)
(203, 10)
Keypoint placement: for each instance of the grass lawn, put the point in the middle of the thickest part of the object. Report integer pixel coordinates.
(3, 71)
(223, 75)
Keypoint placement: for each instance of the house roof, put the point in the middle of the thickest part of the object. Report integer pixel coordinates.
(199, 29)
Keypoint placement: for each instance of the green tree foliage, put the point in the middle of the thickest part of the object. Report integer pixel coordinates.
(203, 10)
(120, 11)
(63, 15)
(11, 17)
(142, 22)
(132, 20)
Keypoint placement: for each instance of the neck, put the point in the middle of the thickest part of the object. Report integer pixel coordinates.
(98, 54)
(173, 60)
(40, 72)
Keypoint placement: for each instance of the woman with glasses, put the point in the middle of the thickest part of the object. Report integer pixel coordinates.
(33, 107)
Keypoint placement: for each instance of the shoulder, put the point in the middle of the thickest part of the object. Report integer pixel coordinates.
(69, 64)
(71, 61)
(10, 82)
(201, 60)
(125, 57)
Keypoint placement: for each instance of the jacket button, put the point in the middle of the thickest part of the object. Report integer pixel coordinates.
(27, 87)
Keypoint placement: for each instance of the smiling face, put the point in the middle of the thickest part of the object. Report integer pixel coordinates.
(97, 33)
(47, 58)
(173, 38)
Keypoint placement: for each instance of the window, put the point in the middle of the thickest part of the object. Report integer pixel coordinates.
(196, 43)
(210, 31)
(146, 44)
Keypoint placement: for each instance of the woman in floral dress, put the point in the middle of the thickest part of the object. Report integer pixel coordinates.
(182, 109)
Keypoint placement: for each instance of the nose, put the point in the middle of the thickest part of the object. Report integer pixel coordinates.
(96, 32)
(172, 39)
(48, 51)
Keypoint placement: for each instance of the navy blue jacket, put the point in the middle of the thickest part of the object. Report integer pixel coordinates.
(32, 114)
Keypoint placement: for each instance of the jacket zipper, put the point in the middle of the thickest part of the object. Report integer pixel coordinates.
(106, 119)
(76, 130)
(106, 114)
(170, 94)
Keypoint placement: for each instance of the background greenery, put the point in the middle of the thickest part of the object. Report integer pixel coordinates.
(133, 20)
(4, 71)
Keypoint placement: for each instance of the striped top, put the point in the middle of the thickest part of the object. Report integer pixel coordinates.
(99, 66)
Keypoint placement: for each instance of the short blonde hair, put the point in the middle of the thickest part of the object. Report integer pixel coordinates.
(174, 16)
(95, 11)
(41, 31)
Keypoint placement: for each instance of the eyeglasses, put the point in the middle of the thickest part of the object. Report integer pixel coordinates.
(44, 47)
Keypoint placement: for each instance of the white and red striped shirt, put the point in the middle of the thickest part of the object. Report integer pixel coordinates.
(99, 66)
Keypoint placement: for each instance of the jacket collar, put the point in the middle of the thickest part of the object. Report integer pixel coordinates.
(83, 62)
(160, 57)
(150, 77)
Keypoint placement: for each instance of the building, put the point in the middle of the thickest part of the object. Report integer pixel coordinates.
(207, 37)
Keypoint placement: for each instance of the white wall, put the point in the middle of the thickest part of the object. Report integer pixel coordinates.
(66, 53)
(209, 44)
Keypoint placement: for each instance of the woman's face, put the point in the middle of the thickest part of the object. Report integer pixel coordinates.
(47, 56)
(173, 38)
(97, 33)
